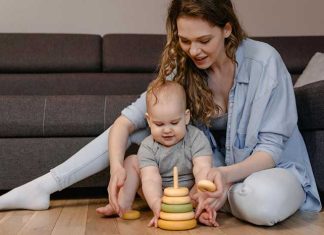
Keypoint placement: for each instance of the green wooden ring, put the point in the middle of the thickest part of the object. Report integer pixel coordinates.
(176, 208)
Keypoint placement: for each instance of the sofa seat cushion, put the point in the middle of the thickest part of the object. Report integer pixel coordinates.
(310, 106)
(59, 116)
(315, 146)
(26, 52)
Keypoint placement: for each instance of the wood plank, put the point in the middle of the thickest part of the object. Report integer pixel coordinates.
(206, 230)
(298, 226)
(2, 214)
(43, 222)
(233, 226)
(97, 224)
(79, 217)
(135, 227)
(72, 219)
(13, 221)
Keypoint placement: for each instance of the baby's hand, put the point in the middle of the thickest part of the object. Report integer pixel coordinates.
(208, 218)
(156, 208)
(154, 222)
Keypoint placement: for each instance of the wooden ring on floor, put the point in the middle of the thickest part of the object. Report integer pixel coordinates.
(177, 216)
(176, 192)
(176, 208)
(206, 185)
(176, 200)
(131, 214)
(177, 225)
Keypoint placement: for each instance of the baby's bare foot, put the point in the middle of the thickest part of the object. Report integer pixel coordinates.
(107, 210)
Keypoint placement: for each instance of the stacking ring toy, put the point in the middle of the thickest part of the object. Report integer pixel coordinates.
(176, 200)
(176, 192)
(131, 214)
(177, 216)
(177, 225)
(206, 185)
(176, 208)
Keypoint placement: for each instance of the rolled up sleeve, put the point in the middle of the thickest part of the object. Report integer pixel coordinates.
(279, 117)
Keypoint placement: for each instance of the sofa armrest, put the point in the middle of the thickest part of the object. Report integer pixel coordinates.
(310, 106)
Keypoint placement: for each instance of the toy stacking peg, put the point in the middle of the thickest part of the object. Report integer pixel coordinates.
(176, 210)
(175, 177)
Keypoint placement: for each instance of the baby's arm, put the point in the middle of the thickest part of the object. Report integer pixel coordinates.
(152, 189)
(201, 167)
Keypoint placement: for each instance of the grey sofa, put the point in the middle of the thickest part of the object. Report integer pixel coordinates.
(59, 91)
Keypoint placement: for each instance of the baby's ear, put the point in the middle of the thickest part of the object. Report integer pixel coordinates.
(147, 116)
(187, 116)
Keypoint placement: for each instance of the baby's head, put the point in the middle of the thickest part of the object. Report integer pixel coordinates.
(167, 114)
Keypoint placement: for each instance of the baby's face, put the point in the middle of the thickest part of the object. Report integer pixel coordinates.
(168, 121)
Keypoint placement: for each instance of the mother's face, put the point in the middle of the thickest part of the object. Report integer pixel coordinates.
(202, 42)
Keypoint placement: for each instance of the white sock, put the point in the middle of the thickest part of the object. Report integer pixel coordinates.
(34, 195)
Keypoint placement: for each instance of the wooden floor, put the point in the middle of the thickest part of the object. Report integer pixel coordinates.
(79, 217)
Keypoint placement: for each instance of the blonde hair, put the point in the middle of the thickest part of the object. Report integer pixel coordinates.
(158, 89)
(194, 80)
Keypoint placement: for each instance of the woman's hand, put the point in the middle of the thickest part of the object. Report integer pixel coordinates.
(156, 208)
(117, 180)
(213, 201)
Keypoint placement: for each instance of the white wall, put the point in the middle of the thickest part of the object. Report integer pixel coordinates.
(258, 17)
(281, 17)
(83, 16)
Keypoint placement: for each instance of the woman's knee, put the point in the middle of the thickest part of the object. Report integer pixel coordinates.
(266, 197)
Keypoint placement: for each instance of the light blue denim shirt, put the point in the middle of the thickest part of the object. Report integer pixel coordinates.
(262, 116)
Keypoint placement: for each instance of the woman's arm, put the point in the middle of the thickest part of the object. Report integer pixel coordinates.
(223, 177)
(117, 142)
(256, 162)
(152, 189)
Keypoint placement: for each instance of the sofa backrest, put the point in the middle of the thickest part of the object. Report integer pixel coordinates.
(296, 51)
(49, 53)
(132, 52)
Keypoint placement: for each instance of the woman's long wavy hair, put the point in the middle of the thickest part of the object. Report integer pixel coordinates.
(199, 96)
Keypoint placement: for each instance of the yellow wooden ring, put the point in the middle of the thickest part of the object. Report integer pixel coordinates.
(176, 192)
(177, 225)
(176, 208)
(206, 185)
(131, 214)
(176, 200)
(177, 216)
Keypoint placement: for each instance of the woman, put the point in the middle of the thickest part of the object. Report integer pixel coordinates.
(240, 94)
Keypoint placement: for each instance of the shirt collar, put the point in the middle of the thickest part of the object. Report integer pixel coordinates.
(239, 54)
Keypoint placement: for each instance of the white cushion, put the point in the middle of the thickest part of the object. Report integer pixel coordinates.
(313, 72)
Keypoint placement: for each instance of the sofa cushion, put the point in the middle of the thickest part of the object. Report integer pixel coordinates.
(59, 116)
(314, 141)
(36, 53)
(295, 51)
(313, 72)
(310, 106)
(132, 52)
(74, 83)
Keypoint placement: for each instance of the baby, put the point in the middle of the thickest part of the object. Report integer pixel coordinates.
(173, 142)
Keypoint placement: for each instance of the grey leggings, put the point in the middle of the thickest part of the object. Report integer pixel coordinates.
(263, 198)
